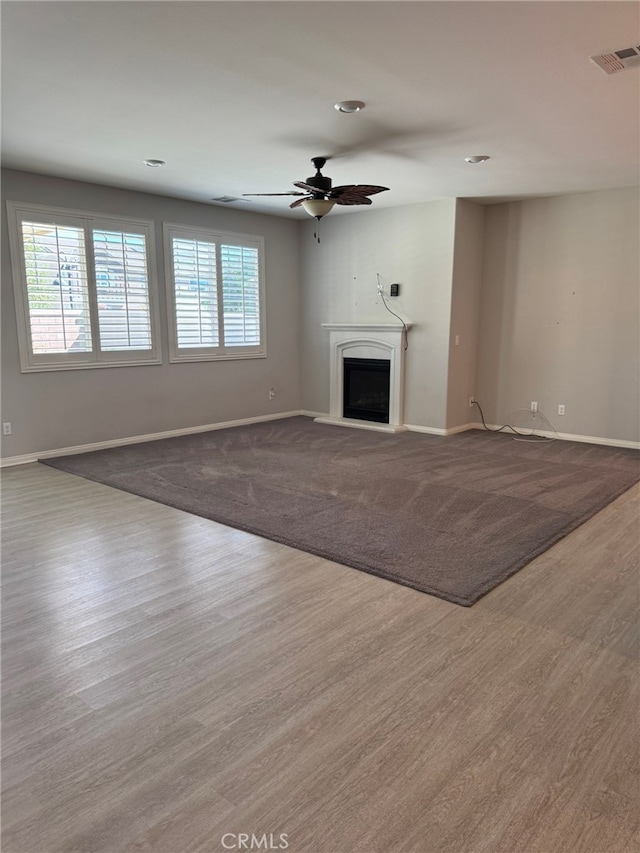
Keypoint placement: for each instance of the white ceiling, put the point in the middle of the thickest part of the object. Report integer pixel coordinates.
(238, 96)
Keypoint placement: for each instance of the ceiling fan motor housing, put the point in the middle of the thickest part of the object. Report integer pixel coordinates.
(322, 184)
(319, 181)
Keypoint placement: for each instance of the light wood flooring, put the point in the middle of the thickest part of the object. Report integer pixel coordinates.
(169, 681)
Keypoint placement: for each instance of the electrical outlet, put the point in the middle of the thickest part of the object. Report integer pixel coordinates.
(472, 400)
(6, 428)
(457, 340)
(534, 406)
(272, 393)
(561, 409)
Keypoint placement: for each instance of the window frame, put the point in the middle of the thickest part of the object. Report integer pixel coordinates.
(31, 362)
(221, 352)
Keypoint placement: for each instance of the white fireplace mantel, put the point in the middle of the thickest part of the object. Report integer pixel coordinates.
(366, 340)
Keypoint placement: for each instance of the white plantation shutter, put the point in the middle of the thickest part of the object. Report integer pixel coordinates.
(216, 290)
(196, 292)
(241, 295)
(83, 289)
(57, 288)
(124, 312)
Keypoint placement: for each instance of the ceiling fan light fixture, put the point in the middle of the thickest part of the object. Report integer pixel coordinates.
(318, 207)
(349, 106)
(477, 158)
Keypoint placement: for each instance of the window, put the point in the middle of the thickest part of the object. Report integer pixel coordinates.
(84, 289)
(215, 293)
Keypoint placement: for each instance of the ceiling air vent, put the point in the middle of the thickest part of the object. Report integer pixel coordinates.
(618, 60)
(227, 199)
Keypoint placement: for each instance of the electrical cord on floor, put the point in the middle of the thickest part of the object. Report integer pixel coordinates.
(519, 436)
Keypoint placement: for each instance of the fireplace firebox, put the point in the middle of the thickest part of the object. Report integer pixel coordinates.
(366, 389)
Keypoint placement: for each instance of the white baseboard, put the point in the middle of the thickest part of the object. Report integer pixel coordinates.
(438, 431)
(567, 436)
(10, 461)
(375, 426)
(309, 414)
(563, 436)
(323, 417)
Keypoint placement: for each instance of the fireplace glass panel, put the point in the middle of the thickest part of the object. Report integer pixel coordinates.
(366, 389)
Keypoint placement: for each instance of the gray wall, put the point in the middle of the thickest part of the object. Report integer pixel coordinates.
(65, 408)
(465, 312)
(412, 246)
(556, 317)
(559, 312)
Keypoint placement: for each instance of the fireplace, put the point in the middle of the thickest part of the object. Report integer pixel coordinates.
(366, 389)
(353, 346)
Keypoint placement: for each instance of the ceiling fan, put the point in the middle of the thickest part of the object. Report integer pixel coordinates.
(319, 197)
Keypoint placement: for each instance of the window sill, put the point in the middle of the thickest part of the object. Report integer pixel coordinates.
(179, 359)
(94, 365)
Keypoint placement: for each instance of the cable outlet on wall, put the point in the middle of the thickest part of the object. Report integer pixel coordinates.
(6, 428)
(272, 393)
(471, 402)
(561, 409)
(534, 406)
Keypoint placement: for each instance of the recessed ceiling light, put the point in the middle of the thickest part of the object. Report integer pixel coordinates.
(477, 158)
(154, 164)
(349, 106)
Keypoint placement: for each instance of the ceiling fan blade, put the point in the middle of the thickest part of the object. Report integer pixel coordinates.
(271, 194)
(299, 201)
(357, 189)
(352, 199)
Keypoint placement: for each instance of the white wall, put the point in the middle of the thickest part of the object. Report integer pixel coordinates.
(66, 408)
(412, 246)
(559, 312)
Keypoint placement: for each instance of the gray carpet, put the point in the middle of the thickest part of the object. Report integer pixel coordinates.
(453, 517)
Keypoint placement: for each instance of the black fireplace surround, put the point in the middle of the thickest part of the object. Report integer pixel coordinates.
(366, 389)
